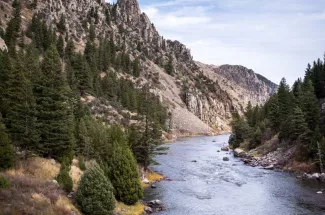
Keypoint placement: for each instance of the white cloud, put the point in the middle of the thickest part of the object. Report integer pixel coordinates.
(275, 38)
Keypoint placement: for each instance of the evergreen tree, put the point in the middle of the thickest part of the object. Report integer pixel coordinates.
(54, 109)
(13, 27)
(21, 107)
(69, 49)
(95, 193)
(92, 34)
(169, 67)
(7, 155)
(83, 140)
(273, 114)
(285, 101)
(82, 73)
(123, 170)
(136, 68)
(298, 128)
(61, 25)
(60, 46)
(309, 105)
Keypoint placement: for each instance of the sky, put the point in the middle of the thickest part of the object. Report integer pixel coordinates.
(274, 38)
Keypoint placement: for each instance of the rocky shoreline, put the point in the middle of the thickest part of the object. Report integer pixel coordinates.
(274, 161)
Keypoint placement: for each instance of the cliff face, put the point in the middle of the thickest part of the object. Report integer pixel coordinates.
(200, 97)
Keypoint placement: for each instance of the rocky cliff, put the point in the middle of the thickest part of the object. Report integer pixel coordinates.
(200, 97)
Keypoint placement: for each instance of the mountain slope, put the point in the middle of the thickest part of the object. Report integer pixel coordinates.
(200, 98)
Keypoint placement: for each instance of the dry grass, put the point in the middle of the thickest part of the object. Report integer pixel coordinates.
(33, 196)
(268, 146)
(32, 191)
(299, 167)
(152, 177)
(75, 174)
(124, 209)
(40, 168)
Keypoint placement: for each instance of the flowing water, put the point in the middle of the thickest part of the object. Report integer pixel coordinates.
(212, 186)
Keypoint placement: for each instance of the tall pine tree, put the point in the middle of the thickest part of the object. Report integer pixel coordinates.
(54, 109)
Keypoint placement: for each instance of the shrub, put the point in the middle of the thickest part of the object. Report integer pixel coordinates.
(81, 164)
(95, 193)
(4, 183)
(64, 179)
(124, 174)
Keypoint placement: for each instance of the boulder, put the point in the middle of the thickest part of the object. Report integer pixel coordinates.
(240, 153)
(3, 46)
(270, 167)
(322, 177)
(194, 161)
(155, 203)
(145, 181)
(315, 176)
(148, 210)
(218, 150)
(225, 159)
(153, 186)
(225, 148)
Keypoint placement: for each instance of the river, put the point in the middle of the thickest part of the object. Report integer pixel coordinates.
(212, 186)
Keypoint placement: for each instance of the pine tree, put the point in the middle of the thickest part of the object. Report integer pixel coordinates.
(61, 25)
(123, 170)
(124, 175)
(82, 73)
(298, 128)
(13, 27)
(5, 68)
(69, 49)
(7, 155)
(285, 101)
(309, 105)
(54, 108)
(83, 140)
(92, 34)
(21, 107)
(60, 46)
(273, 114)
(169, 67)
(95, 193)
(136, 67)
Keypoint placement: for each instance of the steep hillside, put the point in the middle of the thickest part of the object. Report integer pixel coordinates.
(199, 97)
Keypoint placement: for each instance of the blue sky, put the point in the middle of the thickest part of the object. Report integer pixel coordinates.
(274, 38)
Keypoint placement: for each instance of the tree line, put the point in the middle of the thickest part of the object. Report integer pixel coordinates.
(293, 113)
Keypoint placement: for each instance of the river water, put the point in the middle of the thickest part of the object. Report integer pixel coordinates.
(212, 186)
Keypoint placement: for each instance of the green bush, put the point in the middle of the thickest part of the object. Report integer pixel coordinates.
(95, 193)
(81, 164)
(4, 183)
(124, 174)
(64, 179)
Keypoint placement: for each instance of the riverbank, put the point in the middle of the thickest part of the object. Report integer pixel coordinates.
(274, 156)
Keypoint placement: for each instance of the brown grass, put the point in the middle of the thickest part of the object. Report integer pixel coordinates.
(123, 209)
(75, 173)
(32, 191)
(299, 167)
(40, 168)
(152, 177)
(268, 146)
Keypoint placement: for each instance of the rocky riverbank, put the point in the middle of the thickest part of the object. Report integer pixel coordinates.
(276, 160)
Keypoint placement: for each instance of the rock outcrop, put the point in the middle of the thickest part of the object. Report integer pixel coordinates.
(200, 97)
